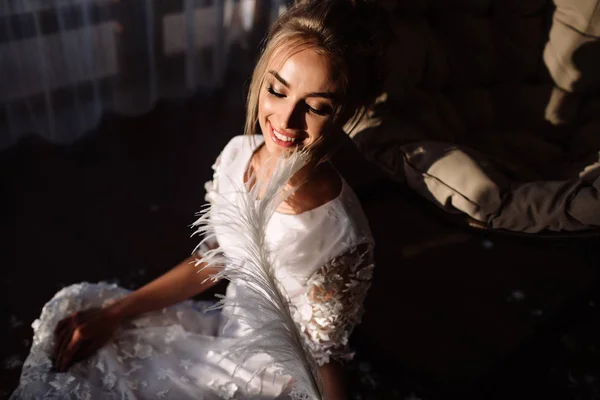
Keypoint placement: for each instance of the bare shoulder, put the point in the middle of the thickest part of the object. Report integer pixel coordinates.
(327, 185)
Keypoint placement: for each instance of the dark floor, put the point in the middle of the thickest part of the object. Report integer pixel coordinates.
(451, 312)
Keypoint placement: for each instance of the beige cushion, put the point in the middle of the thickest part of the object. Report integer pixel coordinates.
(492, 109)
(452, 178)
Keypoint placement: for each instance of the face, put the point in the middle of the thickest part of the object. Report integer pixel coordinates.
(297, 101)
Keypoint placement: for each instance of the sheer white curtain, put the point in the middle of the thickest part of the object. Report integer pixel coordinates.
(63, 63)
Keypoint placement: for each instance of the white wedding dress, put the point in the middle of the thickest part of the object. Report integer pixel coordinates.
(324, 264)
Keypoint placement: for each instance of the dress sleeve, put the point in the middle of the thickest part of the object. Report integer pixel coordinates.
(334, 296)
(212, 190)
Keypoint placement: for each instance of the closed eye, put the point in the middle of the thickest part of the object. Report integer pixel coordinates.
(274, 93)
(320, 111)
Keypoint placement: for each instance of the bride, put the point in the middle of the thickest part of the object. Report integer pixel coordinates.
(281, 225)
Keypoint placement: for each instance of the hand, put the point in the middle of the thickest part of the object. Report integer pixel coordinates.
(81, 334)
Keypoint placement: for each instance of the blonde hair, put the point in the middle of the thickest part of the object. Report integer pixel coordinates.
(351, 34)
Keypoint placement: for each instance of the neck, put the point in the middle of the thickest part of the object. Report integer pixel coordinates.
(301, 176)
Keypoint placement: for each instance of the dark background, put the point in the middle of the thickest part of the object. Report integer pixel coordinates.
(453, 311)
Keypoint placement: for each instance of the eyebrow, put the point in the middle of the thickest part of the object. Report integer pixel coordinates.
(327, 95)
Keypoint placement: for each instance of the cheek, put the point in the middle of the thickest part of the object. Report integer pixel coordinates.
(317, 127)
(266, 106)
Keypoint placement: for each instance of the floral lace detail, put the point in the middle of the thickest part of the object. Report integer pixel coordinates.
(335, 296)
(225, 390)
(298, 394)
(166, 353)
(128, 367)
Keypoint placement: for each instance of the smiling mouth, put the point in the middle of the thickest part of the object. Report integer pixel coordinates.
(281, 139)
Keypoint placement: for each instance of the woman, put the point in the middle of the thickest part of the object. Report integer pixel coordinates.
(319, 70)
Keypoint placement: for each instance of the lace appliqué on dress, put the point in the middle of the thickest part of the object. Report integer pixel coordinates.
(335, 295)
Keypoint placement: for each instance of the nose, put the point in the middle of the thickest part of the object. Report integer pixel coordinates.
(294, 117)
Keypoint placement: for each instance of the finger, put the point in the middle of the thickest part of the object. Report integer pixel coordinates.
(61, 324)
(62, 346)
(81, 316)
(70, 351)
(86, 350)
(60, 339)
(81, 322)
(59, 330)
(62, 328)
(84, 315)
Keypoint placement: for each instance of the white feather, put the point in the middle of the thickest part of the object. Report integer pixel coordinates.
(266, 306)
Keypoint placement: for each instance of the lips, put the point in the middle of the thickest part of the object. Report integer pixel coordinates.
(282, 139)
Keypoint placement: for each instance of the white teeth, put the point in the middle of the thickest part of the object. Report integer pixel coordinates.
(282, 137)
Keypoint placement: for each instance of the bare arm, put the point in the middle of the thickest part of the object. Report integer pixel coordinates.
(180, 283)
(332, 376)
(82, 333)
